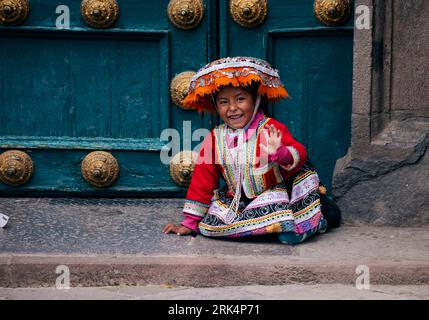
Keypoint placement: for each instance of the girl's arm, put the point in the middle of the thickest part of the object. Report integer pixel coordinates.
(205, 179)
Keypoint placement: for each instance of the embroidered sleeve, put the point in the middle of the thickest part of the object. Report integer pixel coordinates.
(195, 208)
(205, 180)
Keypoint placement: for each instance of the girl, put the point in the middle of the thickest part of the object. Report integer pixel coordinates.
(270, 187)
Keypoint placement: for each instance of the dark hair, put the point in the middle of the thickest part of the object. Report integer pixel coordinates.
(265, 107)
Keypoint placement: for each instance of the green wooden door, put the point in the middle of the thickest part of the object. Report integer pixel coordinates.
(65, 93)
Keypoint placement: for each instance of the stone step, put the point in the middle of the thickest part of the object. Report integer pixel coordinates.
(202, 271)
(120, 242)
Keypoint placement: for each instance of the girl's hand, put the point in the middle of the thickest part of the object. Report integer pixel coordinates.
(179, 230)
(273, 137)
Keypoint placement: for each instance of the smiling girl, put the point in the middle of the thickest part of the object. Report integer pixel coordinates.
(270, 187)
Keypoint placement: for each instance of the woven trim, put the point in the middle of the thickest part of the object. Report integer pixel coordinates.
(195, 208)
(248, 225)
(271, 72)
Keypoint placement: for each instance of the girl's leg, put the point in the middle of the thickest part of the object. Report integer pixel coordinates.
(293, 238)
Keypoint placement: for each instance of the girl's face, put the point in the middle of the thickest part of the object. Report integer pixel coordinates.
(235, 106)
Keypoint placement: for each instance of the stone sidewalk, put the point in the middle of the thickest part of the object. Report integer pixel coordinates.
(119, 242)
(284, 292)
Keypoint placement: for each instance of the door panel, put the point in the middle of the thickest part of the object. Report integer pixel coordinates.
(47, 94)
(319, 78)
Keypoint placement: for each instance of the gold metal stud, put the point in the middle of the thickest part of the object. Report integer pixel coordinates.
(248, 13)
(16, 167)
(13, 12)
(99, 13)
(182, 167)
(332, 12)
(185, 14)
(179, 87)
(100, 169)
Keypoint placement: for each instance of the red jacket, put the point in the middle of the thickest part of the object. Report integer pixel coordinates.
(213, 162)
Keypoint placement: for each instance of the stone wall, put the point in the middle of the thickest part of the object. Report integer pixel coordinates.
(383, 179)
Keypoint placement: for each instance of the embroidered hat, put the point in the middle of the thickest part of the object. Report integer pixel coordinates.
(237, 72)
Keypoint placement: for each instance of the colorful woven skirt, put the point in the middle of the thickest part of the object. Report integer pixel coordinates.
(292, 206)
